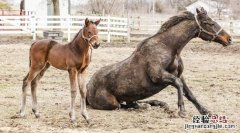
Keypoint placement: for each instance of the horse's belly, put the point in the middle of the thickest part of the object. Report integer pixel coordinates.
(144, 93)
(138, 91)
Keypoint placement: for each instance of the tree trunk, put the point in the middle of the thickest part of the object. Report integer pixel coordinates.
(69, 7)
(56, 11)
(22, 7)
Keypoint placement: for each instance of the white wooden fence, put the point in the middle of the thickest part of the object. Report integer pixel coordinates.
(143, 25)
(109, 27)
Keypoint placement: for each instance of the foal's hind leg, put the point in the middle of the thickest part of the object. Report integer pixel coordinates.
(26, 83)
(33, 89)
(83, 92)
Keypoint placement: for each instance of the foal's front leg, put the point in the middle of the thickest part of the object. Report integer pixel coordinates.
(73, 82)
(83, 92)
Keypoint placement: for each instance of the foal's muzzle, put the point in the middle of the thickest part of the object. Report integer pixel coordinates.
(96, 45)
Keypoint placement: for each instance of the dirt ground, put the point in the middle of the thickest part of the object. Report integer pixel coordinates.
(211, 71)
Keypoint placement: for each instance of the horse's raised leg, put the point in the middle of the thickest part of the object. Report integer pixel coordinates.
(189, 95)
(26, 83)
(159, 75)
(83, 92)
(73, 74)
(34, 84)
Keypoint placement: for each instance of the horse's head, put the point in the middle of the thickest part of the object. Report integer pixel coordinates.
(90, 33)
(210, 30)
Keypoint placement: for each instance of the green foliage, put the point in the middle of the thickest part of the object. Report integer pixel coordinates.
(5, 6)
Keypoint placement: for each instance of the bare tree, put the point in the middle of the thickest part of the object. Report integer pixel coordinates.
(221, 5)
(103, 6)
(180, 4)
(234, 5)
(120, 6)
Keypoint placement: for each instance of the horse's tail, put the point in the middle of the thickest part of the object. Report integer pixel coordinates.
(30, 54)
(50, 45)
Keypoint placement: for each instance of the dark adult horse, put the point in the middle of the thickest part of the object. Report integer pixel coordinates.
(155, 64)
(73, 57)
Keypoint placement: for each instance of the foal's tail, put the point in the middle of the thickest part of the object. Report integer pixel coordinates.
(50, 45)
(30, 54)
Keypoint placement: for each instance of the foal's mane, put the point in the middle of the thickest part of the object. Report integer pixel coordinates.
(76, 35)
(175, 20)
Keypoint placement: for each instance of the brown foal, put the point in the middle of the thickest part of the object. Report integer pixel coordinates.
(73, 57)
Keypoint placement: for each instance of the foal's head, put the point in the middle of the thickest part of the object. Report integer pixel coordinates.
(210, 30)
(90, 33)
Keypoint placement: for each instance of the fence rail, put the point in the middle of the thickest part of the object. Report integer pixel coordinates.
(35, 25)
(149, 25)
(109, 28)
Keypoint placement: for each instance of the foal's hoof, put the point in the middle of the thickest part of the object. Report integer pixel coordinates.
(73, 122)
(22, 115)
(37, 115)
(182, 114)
(90, 123)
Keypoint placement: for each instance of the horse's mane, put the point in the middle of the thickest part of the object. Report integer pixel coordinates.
(170, 23)
(175, 20)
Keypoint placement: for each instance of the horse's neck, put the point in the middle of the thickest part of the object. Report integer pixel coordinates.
(80, 46)
(180, 35)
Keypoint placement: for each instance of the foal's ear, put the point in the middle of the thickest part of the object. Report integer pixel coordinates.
(98, 21)
(87, 22)
(198, 11)
(203, 11)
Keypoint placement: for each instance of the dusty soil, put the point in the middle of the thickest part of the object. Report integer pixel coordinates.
(211, 71)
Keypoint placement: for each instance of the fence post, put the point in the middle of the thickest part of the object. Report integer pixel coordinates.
(128, 29)
(109, 32)
(231, 27)
(69, 28)
(33, 26)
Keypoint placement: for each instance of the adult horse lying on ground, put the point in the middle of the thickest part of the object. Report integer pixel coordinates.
(155, 64)
(73, 57)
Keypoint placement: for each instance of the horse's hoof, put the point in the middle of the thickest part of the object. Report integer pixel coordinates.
(206, 112)
(182, 114)
(144, 106)
(37, 115)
